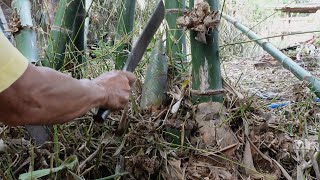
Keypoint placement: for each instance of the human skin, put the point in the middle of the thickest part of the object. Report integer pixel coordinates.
(43, 96)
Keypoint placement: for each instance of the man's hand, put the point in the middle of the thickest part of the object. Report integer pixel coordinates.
(42, 96)
(117, 86)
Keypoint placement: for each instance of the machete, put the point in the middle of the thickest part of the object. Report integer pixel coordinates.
(138, 50)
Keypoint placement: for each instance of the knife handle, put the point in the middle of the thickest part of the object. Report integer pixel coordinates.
(102, 115)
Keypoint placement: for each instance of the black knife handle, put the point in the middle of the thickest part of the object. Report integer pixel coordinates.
(101, 116)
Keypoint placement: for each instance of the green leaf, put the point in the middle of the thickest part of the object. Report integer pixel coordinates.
(69, 163)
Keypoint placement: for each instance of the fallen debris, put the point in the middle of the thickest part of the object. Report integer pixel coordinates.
(201, 19)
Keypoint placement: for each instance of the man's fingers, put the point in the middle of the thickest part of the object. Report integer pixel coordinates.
(117, 85)
(131, 77)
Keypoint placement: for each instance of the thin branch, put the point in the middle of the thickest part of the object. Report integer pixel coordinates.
(208, 92)
(270, 37)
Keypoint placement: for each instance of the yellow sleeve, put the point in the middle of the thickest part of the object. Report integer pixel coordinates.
(12, 63)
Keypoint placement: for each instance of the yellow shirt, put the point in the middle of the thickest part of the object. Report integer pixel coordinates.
(12, 63)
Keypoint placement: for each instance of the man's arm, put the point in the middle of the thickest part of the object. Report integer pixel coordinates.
(44, 96)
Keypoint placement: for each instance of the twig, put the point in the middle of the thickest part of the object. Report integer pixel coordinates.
(124, 122)
(315, 164)
(284, 172)
(166, 117)
(223, 149)
(270, 37)
(3, 130)
(113, 176)
(263, 20)
(208, 92)
(83, 164)
(88, 170)
(171, 11)
(27, 161)
(160, 114)
(258, 150)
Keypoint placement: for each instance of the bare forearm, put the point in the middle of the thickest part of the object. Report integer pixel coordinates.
(45, 96)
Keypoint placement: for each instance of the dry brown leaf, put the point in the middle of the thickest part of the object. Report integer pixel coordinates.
(203, 170)
(15, 23)
(248, 160)
(200, 28)
(201, 37)
(184, 21)
(249, 166)
(231, 89)
(208, 111)
(284, 172)
(209, 117)
(200, 19)
(175, 170)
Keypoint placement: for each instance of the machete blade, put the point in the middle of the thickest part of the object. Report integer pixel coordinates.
(143, 42)
(40, 134)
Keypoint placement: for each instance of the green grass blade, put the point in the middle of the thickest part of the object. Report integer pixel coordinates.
(69, 163)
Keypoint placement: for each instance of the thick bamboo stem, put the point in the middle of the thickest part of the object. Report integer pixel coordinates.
(25, 37)
(26, 43)
(125, 27)
(175, 37)
(206, 72)
(4, 26)
(79, 38)
(61, 33)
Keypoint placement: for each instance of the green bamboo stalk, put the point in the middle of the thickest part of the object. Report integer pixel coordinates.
(206, 72)
(88, 9)
(4, 26)
(44, 16)
(26, 43)
(175, 36)
(184, 39)
(288, 63)
(80, 32)
(124, 28)
(79, 38)
(155, 84)
(26, 37)
(61, 33)
(3, 21)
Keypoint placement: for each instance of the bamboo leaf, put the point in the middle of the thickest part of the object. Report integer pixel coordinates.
(69, 163)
